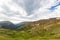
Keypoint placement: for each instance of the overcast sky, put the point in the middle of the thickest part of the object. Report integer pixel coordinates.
(18, 11)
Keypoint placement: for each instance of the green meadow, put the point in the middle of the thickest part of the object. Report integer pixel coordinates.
(39, 30)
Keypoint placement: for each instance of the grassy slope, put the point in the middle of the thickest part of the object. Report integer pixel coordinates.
(39, 30)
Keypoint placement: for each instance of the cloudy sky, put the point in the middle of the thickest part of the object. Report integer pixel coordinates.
(18, 11)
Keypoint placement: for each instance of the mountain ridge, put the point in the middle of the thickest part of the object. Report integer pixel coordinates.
(41, 30)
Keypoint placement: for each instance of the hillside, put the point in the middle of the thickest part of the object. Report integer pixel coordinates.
(46, 29)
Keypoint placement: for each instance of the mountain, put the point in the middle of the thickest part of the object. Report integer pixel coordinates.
(41, 23)
(7, 24)
(46, 29)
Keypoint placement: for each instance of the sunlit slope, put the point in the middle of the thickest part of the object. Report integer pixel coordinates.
(48, 29)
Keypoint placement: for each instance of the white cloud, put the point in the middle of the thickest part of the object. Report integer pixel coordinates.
(18, 11)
